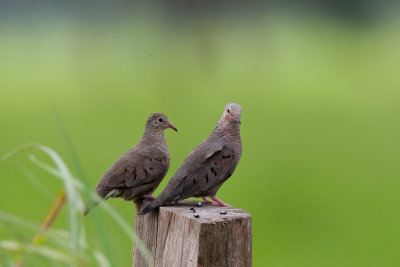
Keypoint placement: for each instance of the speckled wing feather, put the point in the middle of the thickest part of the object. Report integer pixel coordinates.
(139, 171)
(201, 173)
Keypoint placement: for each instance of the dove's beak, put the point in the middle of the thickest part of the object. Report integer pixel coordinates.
(172, 127)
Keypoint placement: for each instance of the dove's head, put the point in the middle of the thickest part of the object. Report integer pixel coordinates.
(232, 113)
(158, 121)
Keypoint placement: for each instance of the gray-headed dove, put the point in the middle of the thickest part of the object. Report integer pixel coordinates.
(138, 172)
(208, 166)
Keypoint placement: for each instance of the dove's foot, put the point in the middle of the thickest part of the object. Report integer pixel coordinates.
(219, 202)
(206, 201)
(149, 197)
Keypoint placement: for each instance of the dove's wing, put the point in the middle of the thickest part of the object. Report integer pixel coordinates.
(135, 173)
(201, 173)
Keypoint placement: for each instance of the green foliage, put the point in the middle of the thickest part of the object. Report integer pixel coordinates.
(72, 247)
(320, 129)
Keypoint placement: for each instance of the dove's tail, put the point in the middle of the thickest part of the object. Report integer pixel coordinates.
(153, 205)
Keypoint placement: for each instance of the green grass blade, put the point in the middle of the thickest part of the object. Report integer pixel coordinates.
(76, 235)
(42, 251)
(128, 230)
(41, 187)
(69, 183)
(101, 260)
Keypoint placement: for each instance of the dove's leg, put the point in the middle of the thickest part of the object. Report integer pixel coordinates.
(219, 202)
(149, 197)
(206, 201)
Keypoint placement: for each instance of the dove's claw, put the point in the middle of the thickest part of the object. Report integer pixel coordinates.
(149, 197)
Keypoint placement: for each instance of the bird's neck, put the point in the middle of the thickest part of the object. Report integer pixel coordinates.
(155, 137)
(229, 129)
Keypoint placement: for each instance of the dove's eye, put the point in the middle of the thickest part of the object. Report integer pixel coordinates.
(160, 119)
(228, 110)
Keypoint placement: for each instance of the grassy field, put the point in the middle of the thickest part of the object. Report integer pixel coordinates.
(320, 125)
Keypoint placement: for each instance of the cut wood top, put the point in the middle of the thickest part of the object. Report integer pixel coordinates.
(207, 213)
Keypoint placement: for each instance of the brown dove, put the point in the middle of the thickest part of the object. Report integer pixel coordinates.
(138, 172)
(208, 166)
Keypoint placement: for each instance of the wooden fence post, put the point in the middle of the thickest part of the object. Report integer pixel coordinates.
(175, 237)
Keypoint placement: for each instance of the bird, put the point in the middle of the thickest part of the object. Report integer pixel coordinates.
(208, 166)
(138, 172)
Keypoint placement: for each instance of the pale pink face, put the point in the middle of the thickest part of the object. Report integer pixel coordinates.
(232, 112)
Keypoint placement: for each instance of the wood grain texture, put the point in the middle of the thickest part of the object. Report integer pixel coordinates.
(176, 238)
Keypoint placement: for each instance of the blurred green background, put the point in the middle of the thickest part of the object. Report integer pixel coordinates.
(319, 87)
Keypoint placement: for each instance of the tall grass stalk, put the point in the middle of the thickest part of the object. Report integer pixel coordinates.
(77, 252)
(50, 216)
(77, 165)
(48, 220)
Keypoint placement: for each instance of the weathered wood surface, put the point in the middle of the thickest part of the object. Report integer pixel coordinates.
(176, 238)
